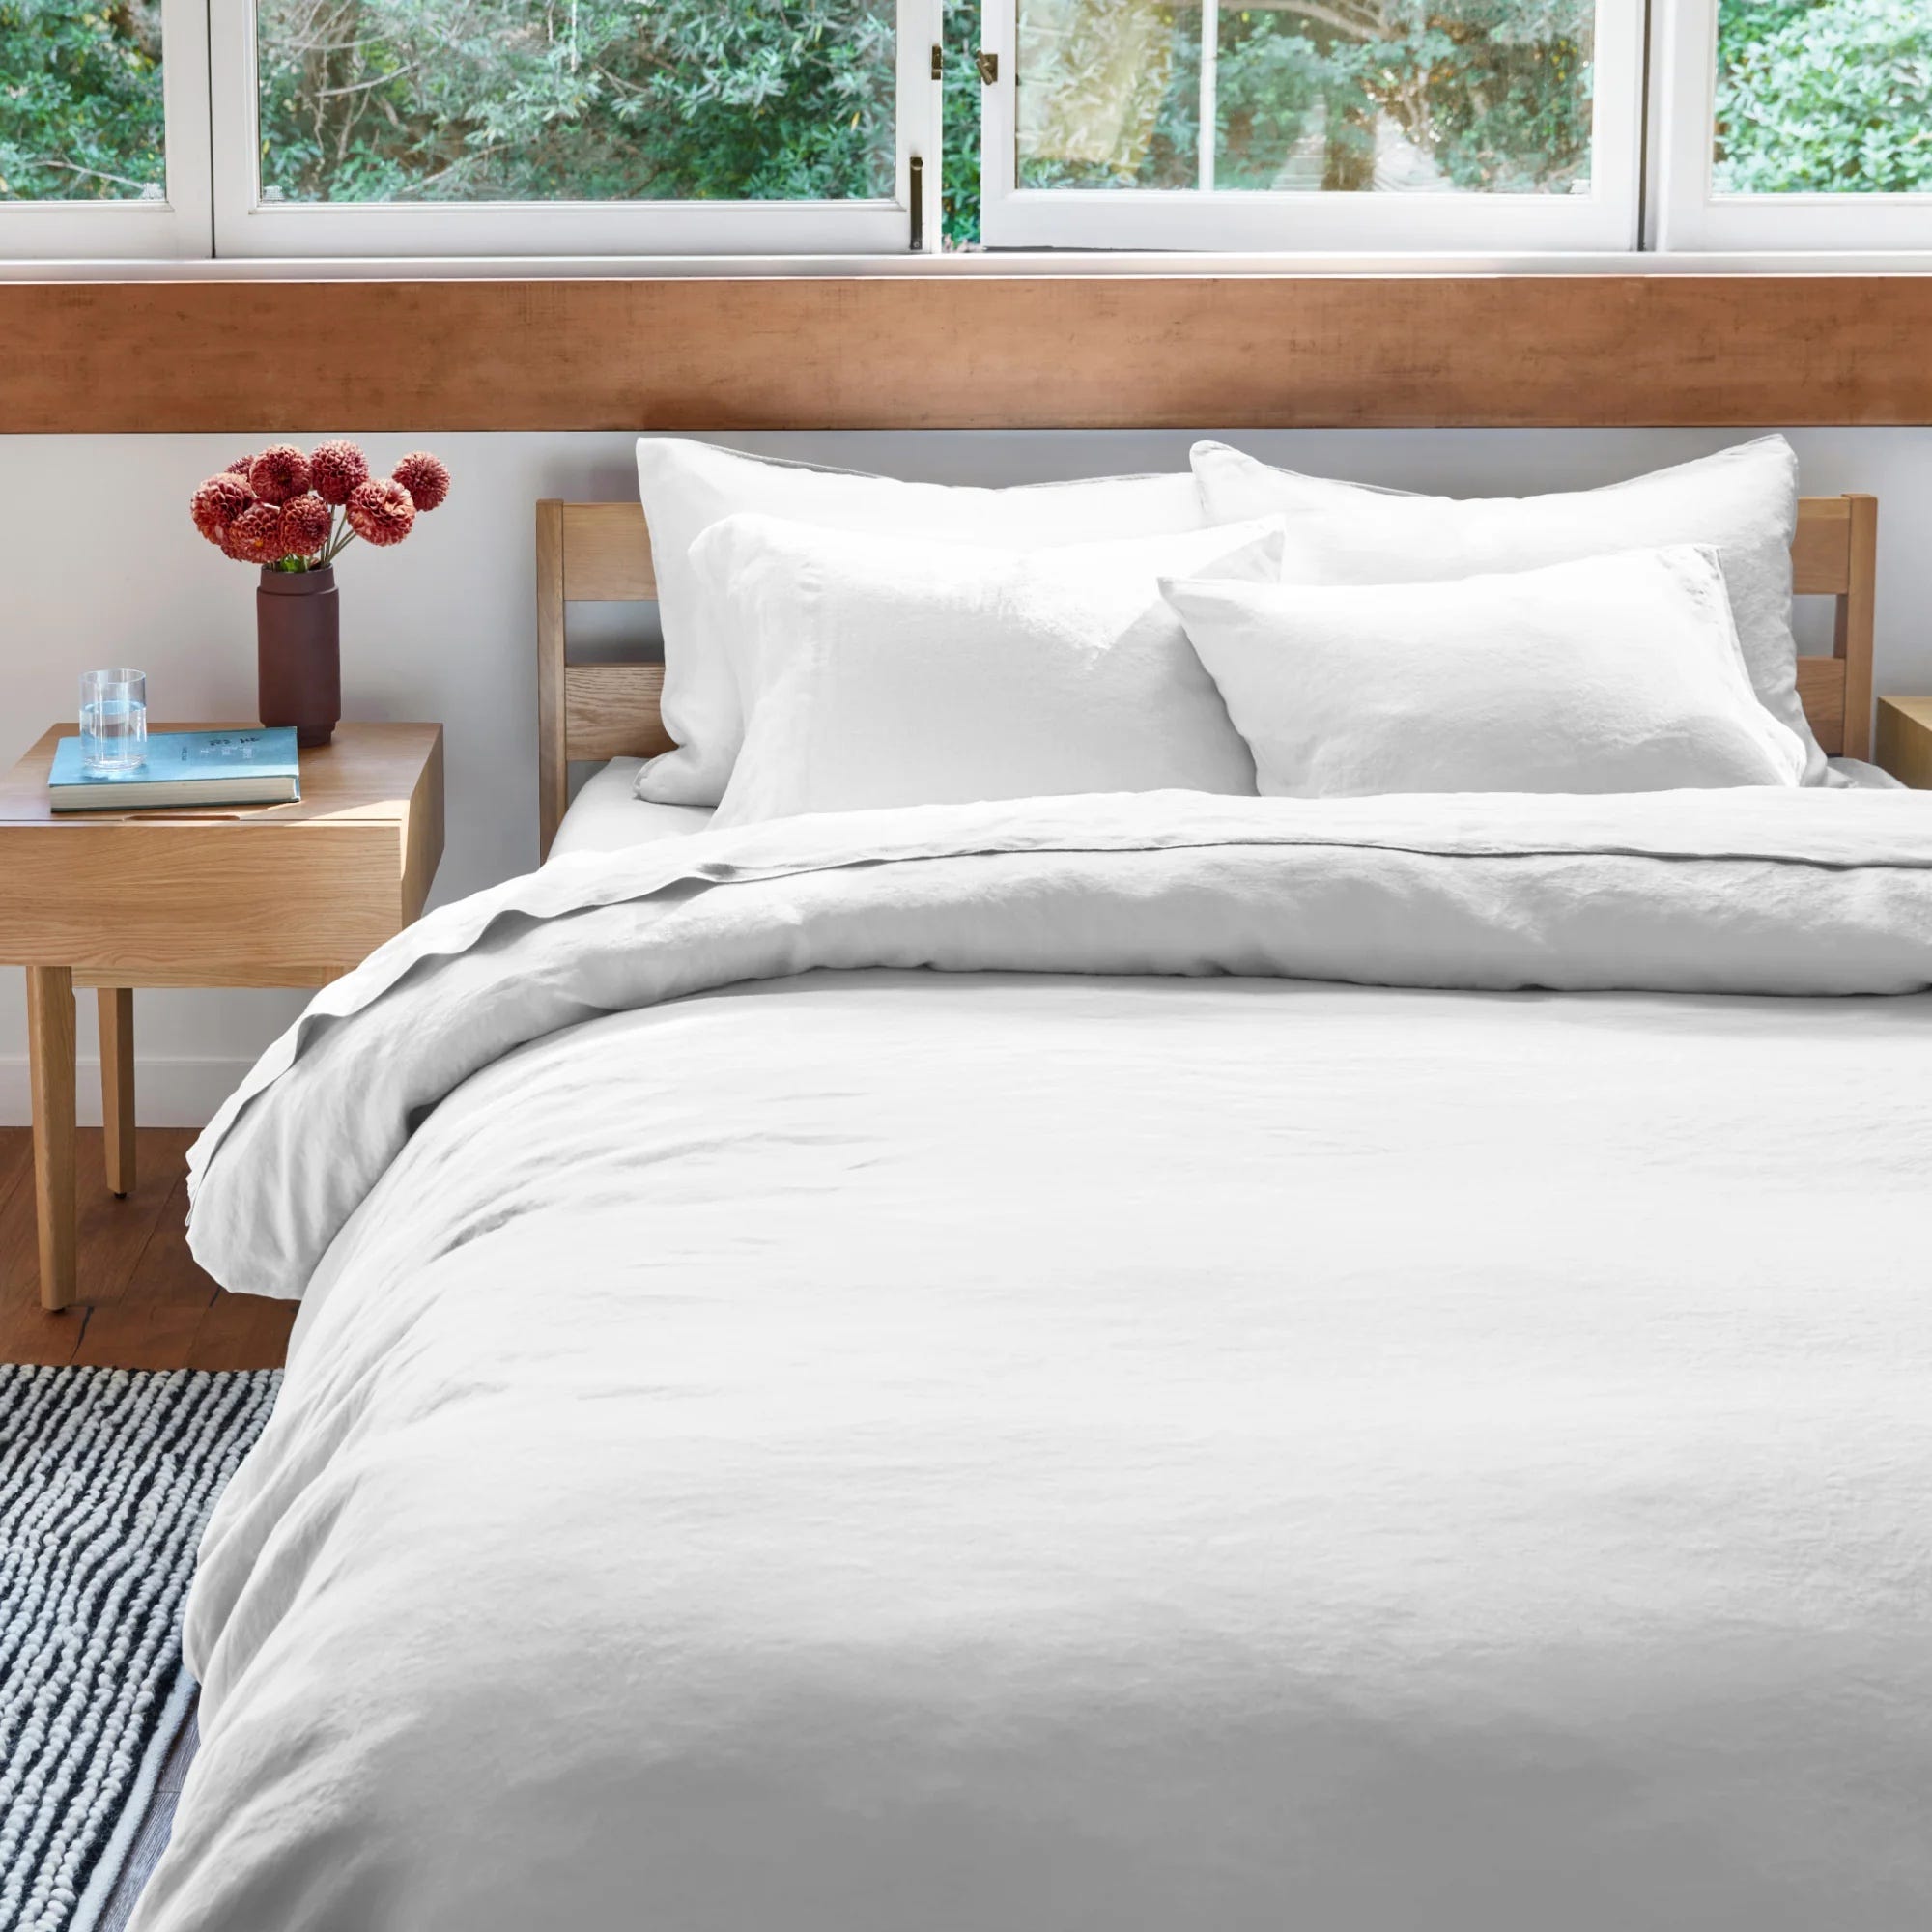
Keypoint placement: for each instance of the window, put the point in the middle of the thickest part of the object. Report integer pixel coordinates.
(1314, 124)
(462, 128)
(104, 131)
(570, 126)
(1797, 124)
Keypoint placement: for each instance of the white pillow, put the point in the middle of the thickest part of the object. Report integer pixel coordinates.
(915, 671)
(1615, 673)
(1742, 501)
(685, 487)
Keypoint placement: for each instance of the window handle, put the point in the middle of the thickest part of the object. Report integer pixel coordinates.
(988, 65)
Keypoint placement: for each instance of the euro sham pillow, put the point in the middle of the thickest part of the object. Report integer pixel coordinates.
(924, 672)
(685, 487)
(1609, 674)
(1742, 501)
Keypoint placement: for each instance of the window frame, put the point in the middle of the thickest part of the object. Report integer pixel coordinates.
(211, 214)
(1606, 220)
(1692, 217)
(176, 226)
(247, 227)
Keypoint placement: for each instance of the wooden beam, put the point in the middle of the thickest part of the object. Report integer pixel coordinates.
(941, 351)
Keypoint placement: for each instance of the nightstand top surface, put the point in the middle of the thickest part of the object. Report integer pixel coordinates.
(1920, 709)
(369, 772)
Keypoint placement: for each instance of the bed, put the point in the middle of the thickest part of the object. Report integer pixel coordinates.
(1076, 1363)
(606, 815)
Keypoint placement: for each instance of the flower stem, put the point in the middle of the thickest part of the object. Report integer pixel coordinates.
(339, 539)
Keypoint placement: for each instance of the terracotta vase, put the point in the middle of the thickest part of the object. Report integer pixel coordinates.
(299, 653)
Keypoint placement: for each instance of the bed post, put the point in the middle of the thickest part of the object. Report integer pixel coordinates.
(553, 767)
(1852, 635)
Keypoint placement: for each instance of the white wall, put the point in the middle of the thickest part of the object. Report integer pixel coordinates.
(101, 566)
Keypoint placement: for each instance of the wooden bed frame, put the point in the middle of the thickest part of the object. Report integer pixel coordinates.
(600, 552)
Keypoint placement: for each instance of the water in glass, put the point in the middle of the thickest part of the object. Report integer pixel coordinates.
(113, 719)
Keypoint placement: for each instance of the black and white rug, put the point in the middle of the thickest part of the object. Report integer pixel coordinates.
(106, 1477)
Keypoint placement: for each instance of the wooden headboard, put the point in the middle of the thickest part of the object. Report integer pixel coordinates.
(600, 552)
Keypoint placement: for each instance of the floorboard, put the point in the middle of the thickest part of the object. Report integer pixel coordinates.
(152, 1839)
(143, 1303)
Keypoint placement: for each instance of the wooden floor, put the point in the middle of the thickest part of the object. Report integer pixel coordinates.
(143, 1303)
(150, 1836)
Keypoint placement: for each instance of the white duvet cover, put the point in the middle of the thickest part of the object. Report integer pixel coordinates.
(1129, 1433)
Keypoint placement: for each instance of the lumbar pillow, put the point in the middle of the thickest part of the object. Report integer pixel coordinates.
(916, 672)
(685, 487)
(1742, 501)
(1615, 673)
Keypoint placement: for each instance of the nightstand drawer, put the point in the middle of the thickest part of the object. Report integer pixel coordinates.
(198, 904)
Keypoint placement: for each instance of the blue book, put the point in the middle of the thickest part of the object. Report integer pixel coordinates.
(250, 765)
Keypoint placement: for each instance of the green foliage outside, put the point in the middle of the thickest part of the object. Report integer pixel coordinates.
(610, 100)
(80, 100)
(959, 112)
(577, 99)
(1823, 95)
(1496, 93)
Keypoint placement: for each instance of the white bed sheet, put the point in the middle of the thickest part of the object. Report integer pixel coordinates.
(1859, 776)
(1029, 1451)
(606, 815)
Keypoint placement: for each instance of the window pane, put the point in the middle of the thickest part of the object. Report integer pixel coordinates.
(80, 102)
(961, 111)
(576, 100)
(1396, 96)
(1824, 96)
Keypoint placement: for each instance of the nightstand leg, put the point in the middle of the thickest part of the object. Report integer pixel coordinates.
(117, 1086)
(50, 1051)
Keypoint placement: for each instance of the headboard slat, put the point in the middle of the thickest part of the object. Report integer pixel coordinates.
(1821, 555)
(610, 711)
(606, 555)
(1853, 633)
(600, 552)
(1821, 688)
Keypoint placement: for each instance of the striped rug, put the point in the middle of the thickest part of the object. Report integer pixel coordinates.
(106, 1477)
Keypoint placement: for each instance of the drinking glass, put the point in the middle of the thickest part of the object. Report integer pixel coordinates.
(113, 719)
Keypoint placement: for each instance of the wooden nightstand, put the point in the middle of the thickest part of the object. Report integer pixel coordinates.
(253, 895)
(1903, 744)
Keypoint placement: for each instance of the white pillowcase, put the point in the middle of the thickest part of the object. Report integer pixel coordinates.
(919, 673)
(1615, 673)
(685, 487)
(1742, 501)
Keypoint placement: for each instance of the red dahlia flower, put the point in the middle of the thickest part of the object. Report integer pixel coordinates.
(279, 472)
(335, 469)
(255, 536)
(380, 512)
(425, 477)
(305, 522)
(218, 503)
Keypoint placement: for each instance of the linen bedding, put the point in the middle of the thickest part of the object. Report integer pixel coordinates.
(606, 815)
(1230, 1404)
